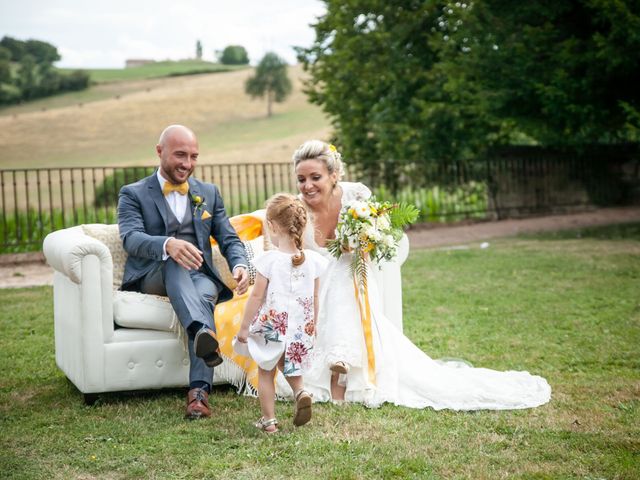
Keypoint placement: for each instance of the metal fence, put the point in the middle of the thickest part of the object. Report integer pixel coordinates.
(35, 202)
(511, 182)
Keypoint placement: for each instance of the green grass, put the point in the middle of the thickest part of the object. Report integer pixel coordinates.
(157, 70)
(566, 308)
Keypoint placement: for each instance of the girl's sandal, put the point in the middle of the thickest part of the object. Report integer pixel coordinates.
(302, 410)
(265, 425)
(339, 367)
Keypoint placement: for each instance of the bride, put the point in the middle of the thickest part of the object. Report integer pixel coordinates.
(403, 374)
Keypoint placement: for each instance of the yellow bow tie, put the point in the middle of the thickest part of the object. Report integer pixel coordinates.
(168, 187)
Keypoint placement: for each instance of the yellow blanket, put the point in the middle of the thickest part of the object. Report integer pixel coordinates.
(238, 370)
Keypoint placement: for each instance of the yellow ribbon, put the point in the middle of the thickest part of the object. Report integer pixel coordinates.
(169, 187)
(365, 317)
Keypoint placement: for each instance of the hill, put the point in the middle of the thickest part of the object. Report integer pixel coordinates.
(157, 70)
(119, 123)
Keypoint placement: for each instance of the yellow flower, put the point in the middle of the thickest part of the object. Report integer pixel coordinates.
(197, 199)
(333, 148)
(374, 210)
(353, 212)
(369, 247)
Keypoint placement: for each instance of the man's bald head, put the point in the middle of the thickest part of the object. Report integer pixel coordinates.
(175, 130)
(178, 152)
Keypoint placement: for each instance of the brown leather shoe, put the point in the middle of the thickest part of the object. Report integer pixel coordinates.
(197, 404)
(206, 346)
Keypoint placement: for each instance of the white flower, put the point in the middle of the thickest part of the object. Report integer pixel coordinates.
(388, 241)
(372, 233)
(361, 209)
(383, 222)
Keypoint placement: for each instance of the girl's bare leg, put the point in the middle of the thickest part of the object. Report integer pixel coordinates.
(267, 395)
(337, 391)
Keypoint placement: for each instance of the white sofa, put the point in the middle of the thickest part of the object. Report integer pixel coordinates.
(107, 340)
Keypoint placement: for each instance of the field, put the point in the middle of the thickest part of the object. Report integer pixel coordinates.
(562, 306)
(158, 69)
(118, 123)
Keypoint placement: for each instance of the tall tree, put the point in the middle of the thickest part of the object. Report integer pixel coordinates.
(199, 50)
(417, 81)
(563, 72)
(270, 80)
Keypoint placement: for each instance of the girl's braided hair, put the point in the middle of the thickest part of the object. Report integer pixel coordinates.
(289, 214)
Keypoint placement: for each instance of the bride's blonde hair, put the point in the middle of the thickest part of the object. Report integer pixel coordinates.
(319, 150)
(289, 214)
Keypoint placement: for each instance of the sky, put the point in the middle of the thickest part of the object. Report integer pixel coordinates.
(103, 34)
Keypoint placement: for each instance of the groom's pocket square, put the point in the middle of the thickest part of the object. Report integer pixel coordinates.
(205, 215)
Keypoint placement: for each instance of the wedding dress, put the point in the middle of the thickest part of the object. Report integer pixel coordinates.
(404, 375)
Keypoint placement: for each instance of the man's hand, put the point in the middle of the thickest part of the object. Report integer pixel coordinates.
(184, 253)
(241, 276)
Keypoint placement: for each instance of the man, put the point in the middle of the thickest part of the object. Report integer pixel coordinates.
(165, 223)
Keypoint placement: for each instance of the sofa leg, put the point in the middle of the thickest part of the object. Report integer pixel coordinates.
(90, 398)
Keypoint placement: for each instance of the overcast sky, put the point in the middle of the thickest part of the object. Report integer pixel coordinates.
(103, 34)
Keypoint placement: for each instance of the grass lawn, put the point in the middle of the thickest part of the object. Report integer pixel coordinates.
(563, 307)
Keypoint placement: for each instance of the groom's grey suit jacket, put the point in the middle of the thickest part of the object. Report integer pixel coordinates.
(143, 217)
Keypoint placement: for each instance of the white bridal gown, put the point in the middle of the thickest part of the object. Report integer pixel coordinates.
(405, 375)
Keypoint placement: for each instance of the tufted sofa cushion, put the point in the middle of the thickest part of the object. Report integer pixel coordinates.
(139, 310)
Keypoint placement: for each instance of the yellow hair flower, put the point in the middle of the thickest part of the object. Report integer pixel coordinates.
(332, 147)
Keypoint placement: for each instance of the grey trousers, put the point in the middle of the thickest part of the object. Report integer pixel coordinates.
(193, 296)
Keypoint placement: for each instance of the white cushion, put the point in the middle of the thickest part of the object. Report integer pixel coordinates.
(139, 310)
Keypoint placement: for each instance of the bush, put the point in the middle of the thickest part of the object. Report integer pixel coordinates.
(106, 194)
(234, 55)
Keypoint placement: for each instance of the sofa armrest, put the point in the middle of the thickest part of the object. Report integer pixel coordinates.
(83, 305)
(65, 250)
(389, 281)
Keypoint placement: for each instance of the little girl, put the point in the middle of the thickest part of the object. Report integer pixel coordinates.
(280, 315)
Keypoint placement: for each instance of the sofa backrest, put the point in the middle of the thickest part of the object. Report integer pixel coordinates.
(110, 236)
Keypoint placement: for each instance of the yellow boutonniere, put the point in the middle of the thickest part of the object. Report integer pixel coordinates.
(198, 203)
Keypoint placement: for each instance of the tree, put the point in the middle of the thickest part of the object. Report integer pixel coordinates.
(5, 70)
(234, 55)
(26, 80)
(199, 50)
(270, 79)
(16, 47)
(413, 82)
(42, 52)
(373, 71)
(565, 73)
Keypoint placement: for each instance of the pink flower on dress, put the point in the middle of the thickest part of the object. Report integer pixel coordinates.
(297, 351)
(279, 322)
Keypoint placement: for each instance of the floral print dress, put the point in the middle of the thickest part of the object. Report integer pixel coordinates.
(284, 323)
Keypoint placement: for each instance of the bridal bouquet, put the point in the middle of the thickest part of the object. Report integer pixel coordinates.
(370, 229)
